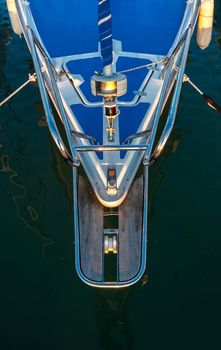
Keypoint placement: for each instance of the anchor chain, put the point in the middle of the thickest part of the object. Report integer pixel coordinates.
(154, 63)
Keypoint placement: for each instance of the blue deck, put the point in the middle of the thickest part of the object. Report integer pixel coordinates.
(70, 27)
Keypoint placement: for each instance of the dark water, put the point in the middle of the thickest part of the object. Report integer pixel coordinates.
(43, 305)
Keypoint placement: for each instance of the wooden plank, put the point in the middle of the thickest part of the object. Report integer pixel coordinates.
(91, 231)
(130, 232)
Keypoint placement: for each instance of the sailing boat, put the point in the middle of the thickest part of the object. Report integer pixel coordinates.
(109, 67)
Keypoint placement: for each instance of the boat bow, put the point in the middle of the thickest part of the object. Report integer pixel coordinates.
(110, 94)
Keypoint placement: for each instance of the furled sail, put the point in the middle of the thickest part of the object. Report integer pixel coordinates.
(105, 31)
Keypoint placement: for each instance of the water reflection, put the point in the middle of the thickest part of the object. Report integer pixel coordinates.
(217, 23)
(5, 40)
(25, 205)
(18, 184)
(5, 35)
(63, 172)
(113, 309)
(156, 171)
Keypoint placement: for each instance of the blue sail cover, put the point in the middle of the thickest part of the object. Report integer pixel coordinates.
(105, 31)
(147, 26)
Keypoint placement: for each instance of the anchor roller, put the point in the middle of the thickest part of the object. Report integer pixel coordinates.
(205, 24)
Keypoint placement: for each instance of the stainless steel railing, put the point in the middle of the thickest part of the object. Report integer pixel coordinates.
(70, 158)
(174, 104)
(149, 156)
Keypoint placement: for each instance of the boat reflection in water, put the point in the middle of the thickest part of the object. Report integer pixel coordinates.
(113, 315)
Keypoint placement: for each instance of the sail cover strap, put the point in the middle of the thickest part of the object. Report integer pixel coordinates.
(105, 31)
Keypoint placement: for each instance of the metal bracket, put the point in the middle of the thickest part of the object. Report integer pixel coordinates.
(110, 241)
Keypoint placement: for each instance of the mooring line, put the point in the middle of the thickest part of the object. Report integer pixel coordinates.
(31, 79)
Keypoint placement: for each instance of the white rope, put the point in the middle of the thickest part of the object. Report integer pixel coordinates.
(32, 78)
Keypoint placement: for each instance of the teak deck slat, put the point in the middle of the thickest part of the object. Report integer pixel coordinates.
(130, 232)
(91, 231)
